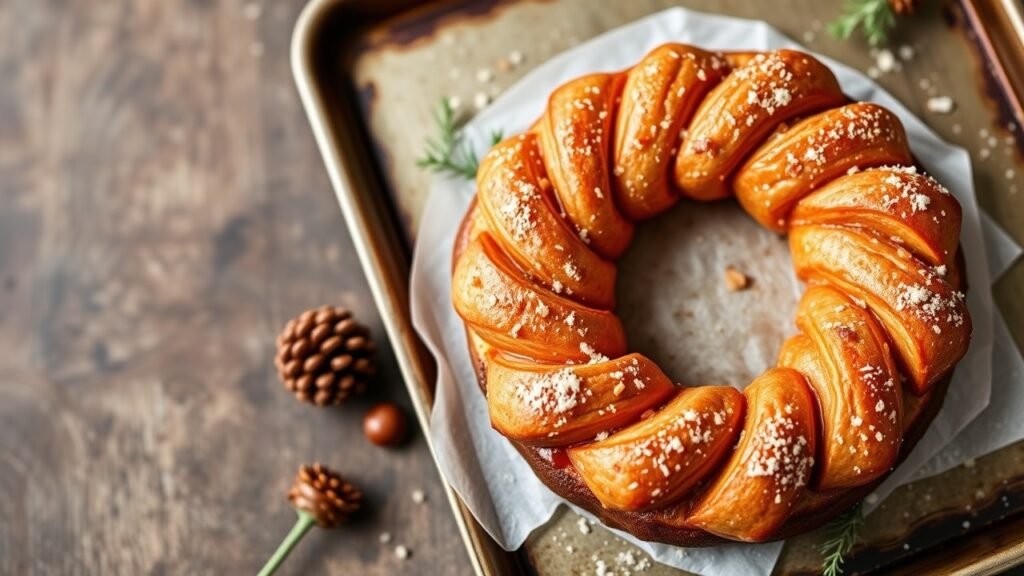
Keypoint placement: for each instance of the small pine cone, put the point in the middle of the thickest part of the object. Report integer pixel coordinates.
(904, 7)
(324, 356)
(325, 495)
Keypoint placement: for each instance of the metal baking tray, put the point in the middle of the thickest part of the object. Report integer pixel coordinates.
(352, 58)
(997, 29)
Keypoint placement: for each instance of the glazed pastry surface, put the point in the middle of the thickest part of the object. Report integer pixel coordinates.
(882, 323)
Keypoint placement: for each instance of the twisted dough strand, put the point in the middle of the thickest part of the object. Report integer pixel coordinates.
(575, 143)
(662, 93)
(875, 241)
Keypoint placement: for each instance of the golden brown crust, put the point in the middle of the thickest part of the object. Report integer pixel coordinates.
(513, 314)
(800, 158)
(661, 94)
(768, 472)
(545, 404)
(610, 432)
(574, 130)
(517, 202)
(654, 462)
(741, 111)
(669, 526)
(892, 203)
(925, 316)
(857, 387)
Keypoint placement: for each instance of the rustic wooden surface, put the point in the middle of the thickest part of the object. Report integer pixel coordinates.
(164, 212)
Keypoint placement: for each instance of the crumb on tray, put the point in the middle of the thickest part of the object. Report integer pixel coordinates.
(736, 280)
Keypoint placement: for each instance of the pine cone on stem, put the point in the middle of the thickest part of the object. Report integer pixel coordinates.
(324, 495)
(325, 356)
(320, 497)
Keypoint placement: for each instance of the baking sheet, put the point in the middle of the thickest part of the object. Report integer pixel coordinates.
(718, 235)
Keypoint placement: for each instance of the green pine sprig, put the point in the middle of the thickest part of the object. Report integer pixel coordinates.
(840, 536)
(874, 17)
(447, 153)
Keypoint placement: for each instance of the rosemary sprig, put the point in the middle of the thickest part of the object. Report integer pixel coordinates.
(446, 153)
(874, 17)
(840, 536)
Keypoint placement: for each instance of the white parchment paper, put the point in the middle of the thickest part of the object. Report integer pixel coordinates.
(675, 308)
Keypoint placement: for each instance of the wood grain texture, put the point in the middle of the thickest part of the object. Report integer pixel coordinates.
(164, 212)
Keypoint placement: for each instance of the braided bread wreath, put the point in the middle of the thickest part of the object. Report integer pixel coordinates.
(882, 322)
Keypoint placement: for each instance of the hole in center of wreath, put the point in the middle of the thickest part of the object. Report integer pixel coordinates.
(678, 308)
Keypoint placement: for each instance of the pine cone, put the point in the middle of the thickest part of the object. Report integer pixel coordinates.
(324, 356)
(904, 7)
(325, 495)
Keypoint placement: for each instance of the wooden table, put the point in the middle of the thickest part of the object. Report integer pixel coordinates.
(164, 212)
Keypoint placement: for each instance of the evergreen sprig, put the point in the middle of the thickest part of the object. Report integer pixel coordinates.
(447, 153)
(874, 17)
(840, 536)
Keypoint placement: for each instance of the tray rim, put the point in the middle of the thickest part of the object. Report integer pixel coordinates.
(385, 264)
(377, 247)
